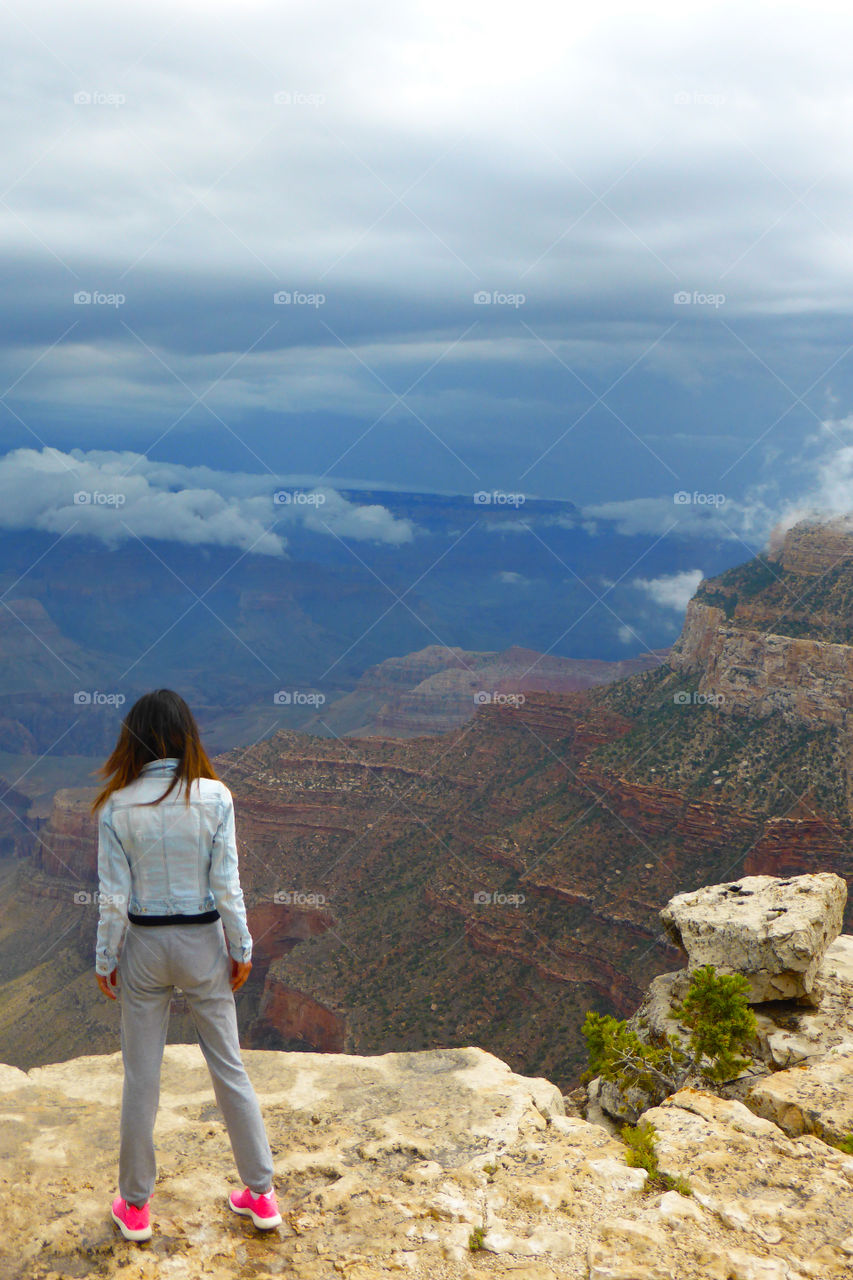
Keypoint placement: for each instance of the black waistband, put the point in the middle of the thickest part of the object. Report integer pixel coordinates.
(205, 918)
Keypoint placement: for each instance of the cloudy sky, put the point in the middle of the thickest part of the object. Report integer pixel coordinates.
(593, 252)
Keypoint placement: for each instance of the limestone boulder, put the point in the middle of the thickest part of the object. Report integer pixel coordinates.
(773, 931)
(784, 1203)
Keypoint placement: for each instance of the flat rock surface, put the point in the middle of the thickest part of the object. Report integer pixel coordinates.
(793, 1196)
(773, 931)
(388, 1165)
(814, 1097)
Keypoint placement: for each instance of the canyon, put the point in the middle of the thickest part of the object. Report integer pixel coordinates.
(490, 884)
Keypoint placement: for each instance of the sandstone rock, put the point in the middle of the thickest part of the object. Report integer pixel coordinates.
(432, 690)
(772, 931)
(68, 842)
(815, 1097)
(753, 671)
(388, 1165)
(813, 547)
(776, 1197)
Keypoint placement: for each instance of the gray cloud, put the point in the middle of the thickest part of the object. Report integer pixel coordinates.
(360, 153)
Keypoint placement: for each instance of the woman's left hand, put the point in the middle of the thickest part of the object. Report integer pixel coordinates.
(105, 983)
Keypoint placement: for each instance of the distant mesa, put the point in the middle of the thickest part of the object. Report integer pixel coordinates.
(438, 688)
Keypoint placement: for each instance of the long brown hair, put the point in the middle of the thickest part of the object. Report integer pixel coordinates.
(158, 725)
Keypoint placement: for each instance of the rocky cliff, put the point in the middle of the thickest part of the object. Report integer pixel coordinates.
(813, 548)
(807, 681)
(491, 884)
(446, 1164)
(398, 1165)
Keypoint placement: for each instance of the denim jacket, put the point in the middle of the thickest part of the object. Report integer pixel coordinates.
(168, 858)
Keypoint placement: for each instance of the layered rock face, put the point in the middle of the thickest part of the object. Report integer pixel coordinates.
(760, 637)
(67, 844)
(813, 548)
(807, 681)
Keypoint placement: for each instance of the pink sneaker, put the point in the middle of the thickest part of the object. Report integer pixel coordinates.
(263, 1210)
(133, 1222)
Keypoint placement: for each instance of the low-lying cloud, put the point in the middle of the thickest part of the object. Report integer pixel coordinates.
(823, 465)
(672, 591)
(118, 495)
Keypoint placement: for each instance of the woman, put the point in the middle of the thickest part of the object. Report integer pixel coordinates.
(167, 864)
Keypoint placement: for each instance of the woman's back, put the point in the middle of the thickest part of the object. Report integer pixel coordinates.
(169, 859)
(168, 845)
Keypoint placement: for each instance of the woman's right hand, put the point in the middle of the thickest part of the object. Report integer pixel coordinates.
(239, 973)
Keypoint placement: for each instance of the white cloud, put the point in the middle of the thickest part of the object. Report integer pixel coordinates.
(370, 523)
(117, 495)
(662, 515)
(673, 591)
(829, 496)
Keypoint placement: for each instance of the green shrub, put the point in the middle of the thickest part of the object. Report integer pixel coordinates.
(720, 1021)
(640, 1142)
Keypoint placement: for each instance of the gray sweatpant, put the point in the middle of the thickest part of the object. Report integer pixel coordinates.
(155, 959)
